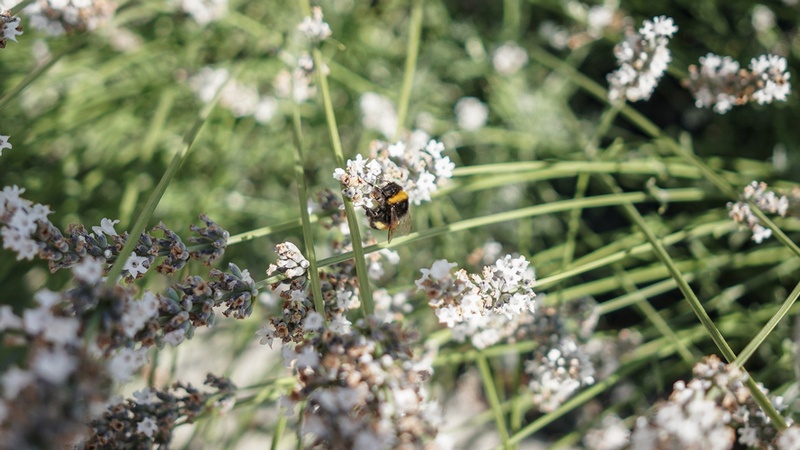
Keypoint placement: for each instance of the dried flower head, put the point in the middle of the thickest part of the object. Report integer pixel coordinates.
(148, 419)
(363, 390)
(643, 58)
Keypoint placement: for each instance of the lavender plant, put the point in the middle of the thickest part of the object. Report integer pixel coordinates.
(579, 270)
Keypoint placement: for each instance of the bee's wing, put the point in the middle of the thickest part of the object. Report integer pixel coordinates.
(401, 225)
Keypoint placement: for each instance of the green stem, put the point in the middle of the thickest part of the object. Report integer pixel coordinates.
(77, 42)
(308, 236)
(759, 338)
(494, 399)
(155, 197)
(364, 289)
(412, 52)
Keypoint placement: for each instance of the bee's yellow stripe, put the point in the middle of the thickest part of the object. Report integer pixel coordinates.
(397, 198)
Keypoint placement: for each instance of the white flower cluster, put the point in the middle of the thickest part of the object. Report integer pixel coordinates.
(314, 28)
(204, 11)
(766, 201)
(20, 217)
(416, 164)
(558, 373)
(721, 84)
(773, 79)
(643, 58)
(471, 113)
(612, 434)
(54, 362)
(708, 412)
(483, 308)
(57, 17)
(377, 113)
(509, 58)
(10, 28)
(363, 390)
(291, 261)
(300, 84)
(241, 99)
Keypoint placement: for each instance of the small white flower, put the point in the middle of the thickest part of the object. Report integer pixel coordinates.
(9, 320)
(53, 365)
(106, 227)
(11, 30)
(146, 396)
(267, 333)
(4, 140)
(309, 358)
(136, 265)
(89, 270)
(339, 324)
(14, 381)
(147, 427)
(62, 330)
(314, 321)
(126, 362)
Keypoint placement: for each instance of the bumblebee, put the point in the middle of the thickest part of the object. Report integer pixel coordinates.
(391, 212)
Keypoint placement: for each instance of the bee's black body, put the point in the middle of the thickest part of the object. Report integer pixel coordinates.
(391, 210)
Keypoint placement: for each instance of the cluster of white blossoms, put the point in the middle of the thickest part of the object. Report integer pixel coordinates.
(485, 308)
(362, 390)
(20, 218)
(766, 201)
(243, 100)
(643, 58)
(417, 164)
(378, 113)
(204, 11)
(58, 17)
(557, 373)
(299, 84)
(714, 410)
(10, 28)
(314, 28)
(509, 58)
(720, 83)
(471, 113)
